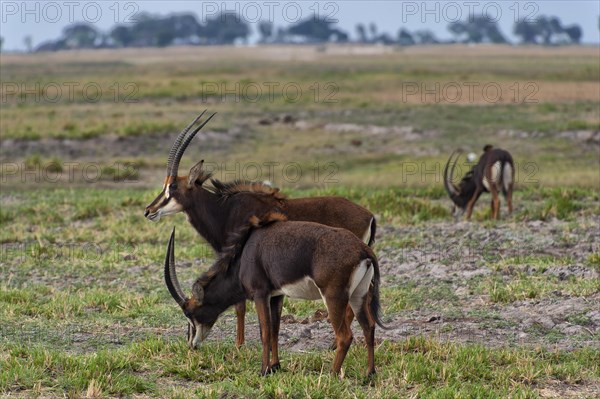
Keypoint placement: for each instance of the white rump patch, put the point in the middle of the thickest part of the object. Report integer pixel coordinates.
(495, 170)
(304, 288)
(367, 234)
(359, 284)
(507, 176)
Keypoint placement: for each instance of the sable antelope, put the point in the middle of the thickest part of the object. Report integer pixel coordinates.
(270, 259)
(216, 212)
(494, 172)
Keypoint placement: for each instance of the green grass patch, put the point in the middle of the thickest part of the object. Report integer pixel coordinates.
(418, 366)
(85, 310)
(525, 287)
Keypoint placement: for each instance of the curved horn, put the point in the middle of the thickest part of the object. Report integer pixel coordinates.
(182, 148)
(178, 141)
(171, 274)
(450, 187)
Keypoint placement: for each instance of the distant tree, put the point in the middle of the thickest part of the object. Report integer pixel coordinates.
(103, 40)
(548, 31)
(184, 26)
(1, 43)
(154, 30)
(122, 36)
(339, 36)
(280, 36)
(373, 30)
(574, 32)
(361, 32)
(477, 30)
(547, 27)
(225, 28)
(28, 41)
(265, 29)
(80, 35)
(405, 38)
(384, 38)
(425, 36)
(495, 35)
(317, 30)
(52, 45)
(527, 31)
(458, 29)
(146, 31)
(164, 37)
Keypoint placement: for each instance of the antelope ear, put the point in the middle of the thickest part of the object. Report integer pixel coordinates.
(196, 174)
(198, 292)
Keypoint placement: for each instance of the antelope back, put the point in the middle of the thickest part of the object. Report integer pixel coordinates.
(334, 212)
(286, 253)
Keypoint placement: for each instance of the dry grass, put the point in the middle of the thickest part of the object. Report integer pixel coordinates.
(84, 309)
(487, 92)
(184, 54)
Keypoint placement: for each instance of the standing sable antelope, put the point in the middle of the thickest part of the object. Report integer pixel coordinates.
(271, 258)
(217, 211)
(494, 172)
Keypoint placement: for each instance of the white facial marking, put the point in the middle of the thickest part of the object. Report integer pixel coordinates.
(457, 213)
(191, 328)
(197, 338)
(202, 332)
(172, 207)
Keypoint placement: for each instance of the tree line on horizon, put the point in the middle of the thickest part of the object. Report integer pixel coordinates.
(229, 28)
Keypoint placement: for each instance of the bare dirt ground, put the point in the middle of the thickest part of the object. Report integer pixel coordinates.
(466, 314)
(116, 146)
(446, 264)
(212, 140)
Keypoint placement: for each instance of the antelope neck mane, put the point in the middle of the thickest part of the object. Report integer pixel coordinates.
(228, 189)
(235, 245)
(233, 248)
(469, 175)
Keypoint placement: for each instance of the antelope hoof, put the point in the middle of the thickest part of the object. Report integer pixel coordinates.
(275, 367)
(266, 372)
(370, 378)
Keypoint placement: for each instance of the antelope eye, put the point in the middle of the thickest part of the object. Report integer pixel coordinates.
(173, 186)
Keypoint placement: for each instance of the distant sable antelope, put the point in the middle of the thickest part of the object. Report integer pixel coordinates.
(493, 173)
(270, 258)
(218, 211)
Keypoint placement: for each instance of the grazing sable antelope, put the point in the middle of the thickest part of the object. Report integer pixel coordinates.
(271, 258)
(215, 212)
(494, 172)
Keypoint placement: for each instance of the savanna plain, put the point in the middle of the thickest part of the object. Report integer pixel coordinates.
(479, 309)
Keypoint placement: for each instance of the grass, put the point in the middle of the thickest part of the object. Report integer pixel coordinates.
(528, 287)
(83, 305)
(85, 312)
(152, 96)
(151, 118)
(418, 366)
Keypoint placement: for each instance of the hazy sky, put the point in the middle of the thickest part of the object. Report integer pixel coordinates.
(45, 20)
